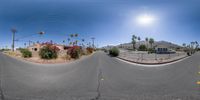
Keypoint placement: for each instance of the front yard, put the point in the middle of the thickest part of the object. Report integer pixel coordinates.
(51, 55)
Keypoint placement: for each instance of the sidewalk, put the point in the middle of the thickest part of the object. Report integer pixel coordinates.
(150, 59)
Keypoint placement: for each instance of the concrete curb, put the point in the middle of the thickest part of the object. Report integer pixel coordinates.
(142, 63)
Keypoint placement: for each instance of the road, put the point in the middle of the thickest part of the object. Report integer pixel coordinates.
(99, 77)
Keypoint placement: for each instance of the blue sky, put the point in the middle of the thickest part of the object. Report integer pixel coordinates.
(111, 22)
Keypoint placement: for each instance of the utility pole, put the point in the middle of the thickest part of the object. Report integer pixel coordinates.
(93, 41)
(13, 38)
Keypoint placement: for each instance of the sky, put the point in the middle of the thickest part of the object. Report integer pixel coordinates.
(111, 22)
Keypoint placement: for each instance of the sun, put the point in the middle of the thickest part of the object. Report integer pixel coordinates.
(145, 19)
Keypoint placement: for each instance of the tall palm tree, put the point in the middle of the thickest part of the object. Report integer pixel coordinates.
(41, 33)
(76, 35)
(71, 35)
(76, 42)
(70, 43)
(151, 42)
(63, 41)
(147, 41)
(197, 44)
(25, 45)
(68, 39)
(83, 40)
(184, 44)
(192, 44)
(139, 40)
(134, 41)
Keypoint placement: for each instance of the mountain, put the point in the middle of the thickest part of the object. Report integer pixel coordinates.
(156, 43)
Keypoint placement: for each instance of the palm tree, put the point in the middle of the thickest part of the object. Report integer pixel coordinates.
(197, 45)
(76, 35)
(147, 41)
(68, 39)
(139, 39)
(63, 41)
(151, 41)
(192, 44)
(41, 33)
(134, 41)
(70, 43)
(83, 40)
(184, 44)
(71, 35)
(25, 45)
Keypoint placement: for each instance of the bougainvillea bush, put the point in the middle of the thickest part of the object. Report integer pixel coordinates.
(74, 52)
(49, 51)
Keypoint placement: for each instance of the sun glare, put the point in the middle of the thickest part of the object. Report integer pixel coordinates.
(145, 19)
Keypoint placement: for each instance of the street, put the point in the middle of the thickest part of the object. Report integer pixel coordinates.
(99, 77)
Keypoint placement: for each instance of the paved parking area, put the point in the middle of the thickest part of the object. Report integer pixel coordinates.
(144, 57)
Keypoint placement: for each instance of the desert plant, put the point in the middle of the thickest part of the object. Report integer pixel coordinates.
(114, 52)
(66, 57)
(142, 48)
(151, 50)
(133, 41)
(49, 51)
(89, 50)
(151, 42)
(26, 53)
(74, 52)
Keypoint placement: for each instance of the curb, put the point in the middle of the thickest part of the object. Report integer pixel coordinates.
(152, 63)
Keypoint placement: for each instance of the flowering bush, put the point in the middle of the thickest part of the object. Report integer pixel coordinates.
(49, 51)
(74, 52)
(89, 50)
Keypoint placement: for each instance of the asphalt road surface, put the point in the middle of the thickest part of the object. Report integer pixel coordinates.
(99, 77)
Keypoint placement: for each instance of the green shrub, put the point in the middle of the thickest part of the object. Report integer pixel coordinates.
(74, 52)
(49, 52)
(26, 53)
(150, 50)
(114, 52)
(142, 48)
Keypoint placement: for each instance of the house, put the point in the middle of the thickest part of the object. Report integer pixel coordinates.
(161, 49)
(38, 46)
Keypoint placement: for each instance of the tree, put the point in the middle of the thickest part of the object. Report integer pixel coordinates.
(76, 35)
(68, 39)
(151, 42)
(147, 41)
(139, 39)
(41, 33)
(63, 41)
(71, 35)
(197, 45)
(134, 41)
(184, 44)
(83, 40)
(142, 48)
